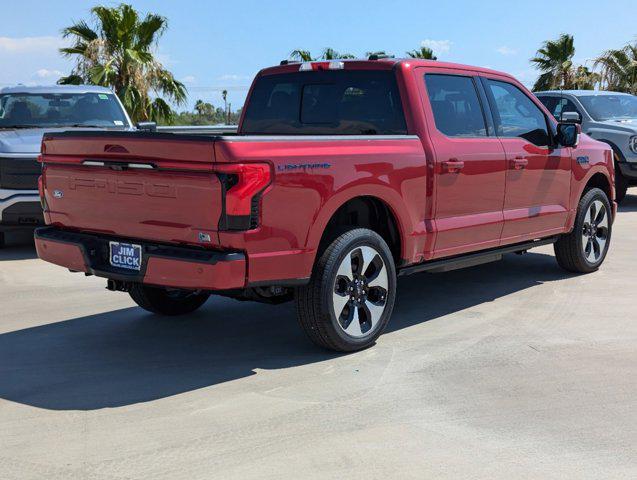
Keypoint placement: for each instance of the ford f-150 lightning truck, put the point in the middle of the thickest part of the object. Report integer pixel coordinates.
(342, 176)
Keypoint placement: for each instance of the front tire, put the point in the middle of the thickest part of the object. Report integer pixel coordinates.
(168, 302)
(585, 248)
(351, 294)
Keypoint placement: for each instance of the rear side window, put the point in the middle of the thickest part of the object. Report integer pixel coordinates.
(326, 103)
(455, 105)
(517, 115)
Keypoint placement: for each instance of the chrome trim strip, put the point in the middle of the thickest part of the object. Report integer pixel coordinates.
(313, 138)
(107, 163)
(147, 166)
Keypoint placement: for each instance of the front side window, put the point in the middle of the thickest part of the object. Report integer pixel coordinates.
(31, 110)
(455, 105)
(559, 105)
(355, 102)
(517, 115)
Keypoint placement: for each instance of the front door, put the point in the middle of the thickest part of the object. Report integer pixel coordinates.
(538, 177)
(469, 166)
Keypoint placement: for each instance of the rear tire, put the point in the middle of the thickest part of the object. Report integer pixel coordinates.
(585, 248)
(2, 240)
(167, 302)
(351, 294)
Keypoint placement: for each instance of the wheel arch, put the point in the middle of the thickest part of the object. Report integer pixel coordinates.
(358, 209)
(599, 180)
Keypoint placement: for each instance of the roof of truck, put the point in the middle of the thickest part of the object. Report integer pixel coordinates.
(580, 93)
(56, 89)
(382, 64)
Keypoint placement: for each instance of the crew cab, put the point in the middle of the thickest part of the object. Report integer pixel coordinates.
(342, 176)
(26, 113)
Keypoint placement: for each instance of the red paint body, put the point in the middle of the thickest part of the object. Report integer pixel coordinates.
(440, 209)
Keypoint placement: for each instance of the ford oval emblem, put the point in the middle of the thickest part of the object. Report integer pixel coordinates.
(58, 193)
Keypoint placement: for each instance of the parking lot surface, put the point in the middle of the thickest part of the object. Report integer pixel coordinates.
(514, 369)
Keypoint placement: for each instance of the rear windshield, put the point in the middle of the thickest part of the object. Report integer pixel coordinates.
(325, 103)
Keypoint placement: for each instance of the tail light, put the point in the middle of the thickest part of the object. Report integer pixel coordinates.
(242, 185)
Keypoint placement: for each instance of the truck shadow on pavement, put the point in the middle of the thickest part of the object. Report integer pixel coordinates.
(128, 356)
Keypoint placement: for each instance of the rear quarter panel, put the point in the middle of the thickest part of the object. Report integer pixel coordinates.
(312, 178)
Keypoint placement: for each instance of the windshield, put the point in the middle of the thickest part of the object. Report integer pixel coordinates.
(325, 103)
(29, 110)
(610, 107)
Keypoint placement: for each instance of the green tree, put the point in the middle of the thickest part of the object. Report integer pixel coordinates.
(331, 54)
(204, 109)
(619, 69)
(585, 79)
(117, 52)
(301, 55)
(327, 54)
(423, 52)
(555, 62)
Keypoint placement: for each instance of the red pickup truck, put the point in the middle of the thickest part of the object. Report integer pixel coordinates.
(342, 175)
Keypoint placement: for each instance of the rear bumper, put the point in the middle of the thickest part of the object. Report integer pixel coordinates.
(162, 265)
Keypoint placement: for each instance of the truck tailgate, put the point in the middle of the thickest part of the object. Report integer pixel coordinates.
(158, 187)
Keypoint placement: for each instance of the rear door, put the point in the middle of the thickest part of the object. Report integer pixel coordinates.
(469, 166)
(538, 174)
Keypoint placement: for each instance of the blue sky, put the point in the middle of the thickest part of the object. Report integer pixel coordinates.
(211, 45)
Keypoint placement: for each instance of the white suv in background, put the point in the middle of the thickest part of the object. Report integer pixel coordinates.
(26, 113)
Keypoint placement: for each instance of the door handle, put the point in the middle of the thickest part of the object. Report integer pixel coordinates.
(520, 163)
(453, 165)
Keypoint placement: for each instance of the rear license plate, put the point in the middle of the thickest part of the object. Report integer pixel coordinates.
(126, 255)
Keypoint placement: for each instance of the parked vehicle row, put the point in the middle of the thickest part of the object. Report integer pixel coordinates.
(342, 176)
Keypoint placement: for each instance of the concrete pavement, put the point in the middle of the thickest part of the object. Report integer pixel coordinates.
(514, 369)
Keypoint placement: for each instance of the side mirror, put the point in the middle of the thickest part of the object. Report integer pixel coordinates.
(147, 126)
(571, 117)
(568, 134)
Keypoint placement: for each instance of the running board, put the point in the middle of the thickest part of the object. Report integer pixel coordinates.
(473, 259)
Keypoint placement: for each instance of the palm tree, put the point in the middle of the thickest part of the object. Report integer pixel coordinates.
(301, 55)
(331, 54)
(328, 54)
(224, 95)
(619, 69)
(117, 52)
(199, 107)
(585, 79)
(555, 62)
(423, 52)
(204, 109)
